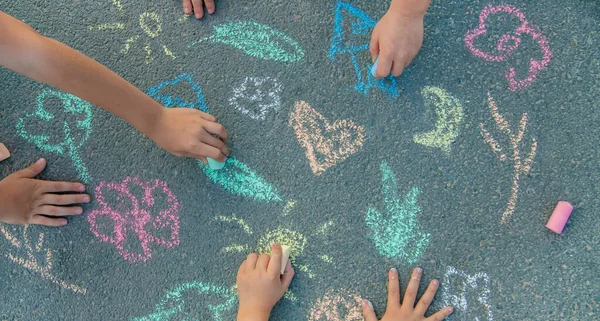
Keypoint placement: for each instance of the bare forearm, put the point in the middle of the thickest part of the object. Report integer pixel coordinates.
(410, 7)
(46, 60)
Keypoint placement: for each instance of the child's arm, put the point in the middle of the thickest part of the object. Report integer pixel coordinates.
(198, 9)
(260, 284)
(407, 311)
(398, 36)
(181, 131)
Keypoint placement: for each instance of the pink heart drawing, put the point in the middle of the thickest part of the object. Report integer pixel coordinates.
(325, 143)
(508, 43)
(133, 215)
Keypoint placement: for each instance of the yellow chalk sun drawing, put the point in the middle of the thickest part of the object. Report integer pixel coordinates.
(282, 235)
(151, 26)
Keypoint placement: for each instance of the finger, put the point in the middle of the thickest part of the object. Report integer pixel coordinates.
(33, 170)
(217, 129)
(288, 275)
(59, 187)
(384, 67)
(210, 6)
(203, 160)
(397, 68)
(412, 288)
(263, 262)
(368, 311)
(374, 47)
(441, 315)
(208, 117)
(51, 210)
(275, 262)
(251, 261)
(216, 143)
(67, 199)
(242, 268)
(187, 6)
(212, 152)
(427, 298)
(393, 301)
(198, 9)
(43, 220)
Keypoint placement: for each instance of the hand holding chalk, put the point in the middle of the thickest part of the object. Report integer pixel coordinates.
(260, 284)
(4, 153)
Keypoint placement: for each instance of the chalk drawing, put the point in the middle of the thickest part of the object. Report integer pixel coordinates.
(256, 40)
(151, 25)
(467, 294)
(237, 178)
(508, 43)
(173, 304)
(353, 43)
(74, 136)
(337, 305)
(256, 96)
(234, 219)
(32, 260)
(396, 231)
(143, 217)
(521, 166)
(164, 95)
(449, 114)
(325, 143)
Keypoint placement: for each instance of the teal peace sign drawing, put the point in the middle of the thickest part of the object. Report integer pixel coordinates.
(74, 135)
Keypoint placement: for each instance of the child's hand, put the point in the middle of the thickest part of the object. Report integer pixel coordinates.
(187, 132)
(407, 311)
(25, 200)
(260, 285)
(198, 8)
(396, 40)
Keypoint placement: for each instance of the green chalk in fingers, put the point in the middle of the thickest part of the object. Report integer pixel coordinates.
(214, 164)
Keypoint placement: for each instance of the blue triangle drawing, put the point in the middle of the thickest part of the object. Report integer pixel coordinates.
(346, 43)
(170, 100)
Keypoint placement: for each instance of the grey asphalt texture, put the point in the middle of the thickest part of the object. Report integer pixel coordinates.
(533, 273)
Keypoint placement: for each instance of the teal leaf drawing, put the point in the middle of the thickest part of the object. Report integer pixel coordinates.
(173, 305)
(75, 133)
(396, 231)
(237, 178)
(449, 112)
(256, 40)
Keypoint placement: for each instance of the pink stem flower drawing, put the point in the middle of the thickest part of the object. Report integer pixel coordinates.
(31, 261)
(508, 43)
(133, 215)
(521, 166)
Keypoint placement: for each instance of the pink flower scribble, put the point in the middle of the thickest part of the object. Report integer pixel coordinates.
(510, 42)
(133, 215)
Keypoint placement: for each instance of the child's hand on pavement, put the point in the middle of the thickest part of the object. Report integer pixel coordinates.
(260, 284)
(26, 200)
(396, 40)
(407, 311)
(189, 132)
(197, 6)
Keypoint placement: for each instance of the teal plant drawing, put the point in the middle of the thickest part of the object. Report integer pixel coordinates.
(237, 178)
(395, 230)
(74, 136)
(256, 40)
(449, 112)
(172, 307)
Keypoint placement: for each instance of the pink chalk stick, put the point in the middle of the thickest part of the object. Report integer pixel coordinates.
(559, 217)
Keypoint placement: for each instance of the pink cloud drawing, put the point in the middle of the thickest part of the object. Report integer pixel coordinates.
(143, 217)
(508, 43)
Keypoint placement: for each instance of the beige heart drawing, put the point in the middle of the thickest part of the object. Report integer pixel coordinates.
(325, 143)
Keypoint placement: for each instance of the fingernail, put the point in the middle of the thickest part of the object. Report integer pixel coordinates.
(81, 188)
(40, 161)
(79, 211)
(186, 10)
(435, 282)
(63, 222)
(419, 270)
(450, 309)
(198, 15)
(366, 303)
(86, 199)
(393, 270)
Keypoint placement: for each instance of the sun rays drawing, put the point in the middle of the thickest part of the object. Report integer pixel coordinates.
(151, 26)
(283, 235)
